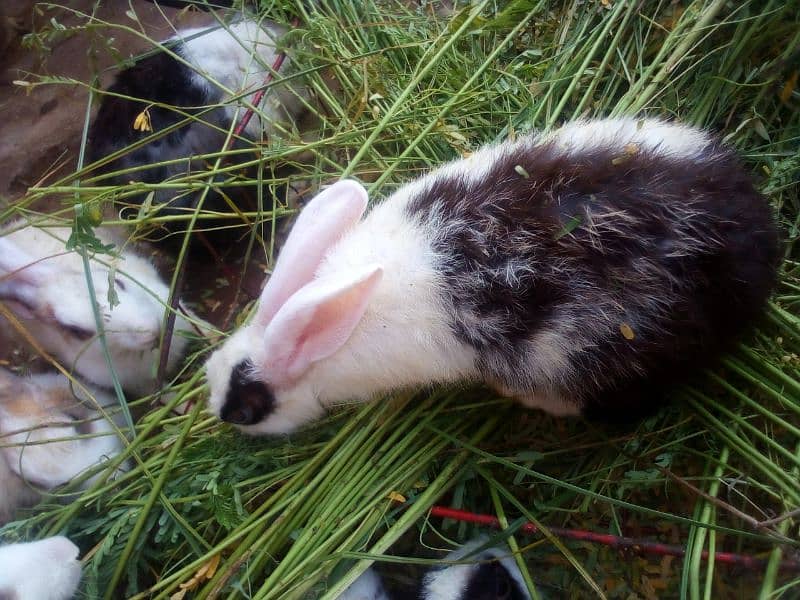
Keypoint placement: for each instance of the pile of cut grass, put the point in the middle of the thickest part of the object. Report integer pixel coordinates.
(300, 517)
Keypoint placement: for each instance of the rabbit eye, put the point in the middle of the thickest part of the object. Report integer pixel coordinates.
(79, 332)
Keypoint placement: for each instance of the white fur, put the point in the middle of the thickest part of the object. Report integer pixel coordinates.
(651, 134)
(238, 57)
(46, 407)
(367, 587)
(48, 569)
(53, 282)
(450, 582)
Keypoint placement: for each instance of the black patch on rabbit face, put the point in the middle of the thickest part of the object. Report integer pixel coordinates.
(492, 582)
(248, 400)
(550, 258)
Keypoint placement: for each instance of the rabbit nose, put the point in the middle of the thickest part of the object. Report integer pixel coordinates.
(244, 415)
(248, 402)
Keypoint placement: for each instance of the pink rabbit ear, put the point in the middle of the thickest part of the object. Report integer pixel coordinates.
(320, 225)
(315, 322)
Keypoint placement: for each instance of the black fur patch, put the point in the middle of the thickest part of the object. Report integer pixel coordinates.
(492, 581)
(639, 268)
(248, 401)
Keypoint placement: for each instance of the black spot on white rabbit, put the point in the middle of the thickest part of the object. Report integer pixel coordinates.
(581, 271)
(46, 407)
(46, 288)
(203, 69)
(47, 569)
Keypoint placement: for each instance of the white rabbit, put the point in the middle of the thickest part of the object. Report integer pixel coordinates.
(36, 409)
(47, 569)
(212, 65)
(46, 288)
(588, 270)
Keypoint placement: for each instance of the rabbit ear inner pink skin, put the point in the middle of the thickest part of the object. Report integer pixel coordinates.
(320, 225)
(314, 323)
(47, 569)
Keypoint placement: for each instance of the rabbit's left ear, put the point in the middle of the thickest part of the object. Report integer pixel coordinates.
(315, 322)
(320, 225)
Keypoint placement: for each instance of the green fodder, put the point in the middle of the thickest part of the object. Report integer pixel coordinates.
(416, 85)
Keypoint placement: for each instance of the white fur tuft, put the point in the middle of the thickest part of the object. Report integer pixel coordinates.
(48, 569)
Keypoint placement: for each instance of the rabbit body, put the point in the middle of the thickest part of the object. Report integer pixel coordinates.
(209, 66)
(45, 407)
(47, 569)
(45, 286)
(580, 271)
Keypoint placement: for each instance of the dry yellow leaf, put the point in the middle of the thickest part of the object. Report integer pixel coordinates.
(627, 331)
(142, 121)
(396, 497)
(787, 90)
(204, 573)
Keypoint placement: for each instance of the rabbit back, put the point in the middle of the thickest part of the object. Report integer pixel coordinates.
(47, 569)
(592, 263)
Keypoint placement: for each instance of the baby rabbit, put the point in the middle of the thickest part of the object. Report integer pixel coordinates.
(203, 68)
(48, 569)
(46, 288)
(41, 408)
(580, 272)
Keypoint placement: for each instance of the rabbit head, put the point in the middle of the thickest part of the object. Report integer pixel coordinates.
(48, 436)
(46, 288)
(300, 320)
(490, 575)
(47, 569)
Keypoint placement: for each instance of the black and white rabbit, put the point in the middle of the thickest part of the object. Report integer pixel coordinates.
(581, 271)
(47, 569)
(45, 286)
(489, 574)
(50, 433)
(203, 70)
